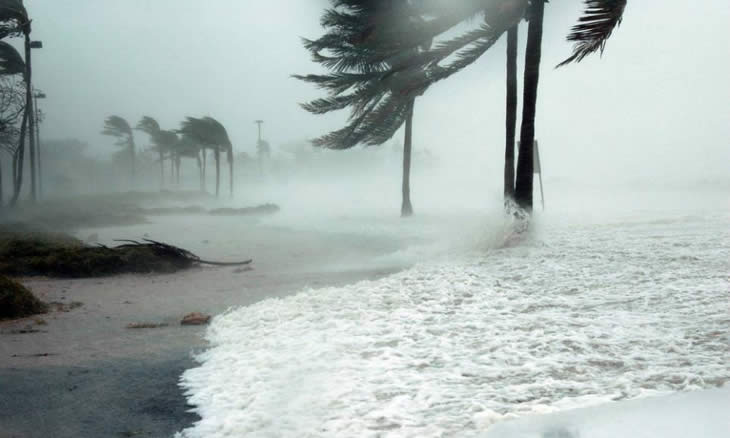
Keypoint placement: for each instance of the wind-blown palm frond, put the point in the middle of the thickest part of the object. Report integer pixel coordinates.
(594, 28)
(116, 126)
(13, 17)
(382, 54)
(148, 125)
(11, 63)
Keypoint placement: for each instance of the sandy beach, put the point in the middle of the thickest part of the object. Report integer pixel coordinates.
(83, 373)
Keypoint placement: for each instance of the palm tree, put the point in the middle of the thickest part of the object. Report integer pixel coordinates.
(118, 127)
(14, 21)
(373, 58)
(163, 142)
(210, 134)
(380, 104)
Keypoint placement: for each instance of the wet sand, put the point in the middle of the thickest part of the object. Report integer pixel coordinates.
(82, 373)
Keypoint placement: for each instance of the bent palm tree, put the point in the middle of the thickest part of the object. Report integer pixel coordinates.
(163, 142)
(14, 21)
(11, 63)
(210, 133)
(117, 127)
(374, 58)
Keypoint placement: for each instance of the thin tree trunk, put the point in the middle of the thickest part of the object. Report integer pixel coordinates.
(2, 199)
(162, 170)
(172, 168)
(511, 119)
(523, 188)
(18, 159)
(230, 169)
(205, 167)
(217, 155)
(133, 157)
(406, 209)
(177, 169)
(200, 170)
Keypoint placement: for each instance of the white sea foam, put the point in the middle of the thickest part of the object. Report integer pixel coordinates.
(577, 315)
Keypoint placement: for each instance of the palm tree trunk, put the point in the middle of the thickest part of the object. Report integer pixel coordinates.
(511, 119)
(18, 159)
(217, 155)
(205, 166)
(200, 170)
(523, 188)
(406, 209)
(230, 169)
(177, 169)
(1, 186)
(133, 157)
(172, 168)
(162, 170)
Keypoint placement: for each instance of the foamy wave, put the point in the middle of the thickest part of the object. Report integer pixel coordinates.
(591, 315)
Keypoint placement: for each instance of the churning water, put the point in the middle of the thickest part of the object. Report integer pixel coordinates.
(580, 312)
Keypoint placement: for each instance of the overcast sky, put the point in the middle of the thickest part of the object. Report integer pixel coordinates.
(656, 105)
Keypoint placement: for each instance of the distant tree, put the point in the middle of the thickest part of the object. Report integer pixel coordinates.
(210, 134)
(164, 143)
(117, 127)
(380, 104)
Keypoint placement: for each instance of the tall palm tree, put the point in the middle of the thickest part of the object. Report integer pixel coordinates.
(163, 142)
(372, 59)
(210, 134)
(380, 104)
(14, 21)
(119, 128)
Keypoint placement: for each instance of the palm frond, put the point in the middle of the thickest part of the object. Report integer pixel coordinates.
(594, 28)
(11, 63)
(13, 18)
(116, 126)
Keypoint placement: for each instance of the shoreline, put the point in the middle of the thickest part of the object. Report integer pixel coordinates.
(83, 373)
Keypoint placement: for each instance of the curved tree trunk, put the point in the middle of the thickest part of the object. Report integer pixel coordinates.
(523, 188)
(217, 156)
(511, 119)
(406, 208)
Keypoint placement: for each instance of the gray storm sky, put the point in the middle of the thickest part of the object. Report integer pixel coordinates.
(656, 105)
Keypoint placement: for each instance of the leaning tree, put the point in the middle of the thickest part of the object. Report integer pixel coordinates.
(14, 21)
(209, 133)
(379, 105)
(384, 52)
(120, 129)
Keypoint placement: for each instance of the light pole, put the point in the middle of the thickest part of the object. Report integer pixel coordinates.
(38, 119)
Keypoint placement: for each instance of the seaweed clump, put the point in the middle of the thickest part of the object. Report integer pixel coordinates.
(16, 301)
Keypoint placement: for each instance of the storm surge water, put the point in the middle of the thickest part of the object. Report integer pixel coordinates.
(584, 310)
